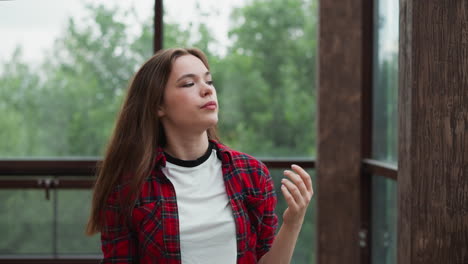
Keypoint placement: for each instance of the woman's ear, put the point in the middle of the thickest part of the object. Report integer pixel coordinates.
(161, 111)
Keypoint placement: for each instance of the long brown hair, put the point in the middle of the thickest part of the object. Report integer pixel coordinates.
(137, 134)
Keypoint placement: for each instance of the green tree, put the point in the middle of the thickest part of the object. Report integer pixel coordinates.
(18, 86)
(273, 52)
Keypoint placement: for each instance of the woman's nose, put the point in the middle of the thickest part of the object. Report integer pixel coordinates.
(207, 89)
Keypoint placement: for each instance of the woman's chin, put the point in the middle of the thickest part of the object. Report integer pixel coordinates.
(213, 122)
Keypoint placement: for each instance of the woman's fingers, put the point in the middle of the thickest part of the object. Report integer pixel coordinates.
(298, 181)
(294, 192)
(307, 180)
(289, 198)
(297, 192)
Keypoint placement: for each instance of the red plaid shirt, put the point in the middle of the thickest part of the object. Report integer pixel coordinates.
(152, 235)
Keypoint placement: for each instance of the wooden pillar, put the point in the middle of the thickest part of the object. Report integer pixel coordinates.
(345, 63)
(158, 21)
(433, 132)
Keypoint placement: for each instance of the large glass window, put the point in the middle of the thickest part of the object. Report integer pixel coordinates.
(263, 59)
(63, 72)
(385, 138)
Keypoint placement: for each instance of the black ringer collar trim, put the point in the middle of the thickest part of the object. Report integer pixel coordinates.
(191, 163)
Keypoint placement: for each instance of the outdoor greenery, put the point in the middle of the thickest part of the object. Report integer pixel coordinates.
(266, 82)
(67, 106)
(385, 140)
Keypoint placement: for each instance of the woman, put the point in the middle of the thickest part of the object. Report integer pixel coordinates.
(169, 192)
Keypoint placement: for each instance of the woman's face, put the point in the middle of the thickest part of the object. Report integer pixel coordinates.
(190, 102)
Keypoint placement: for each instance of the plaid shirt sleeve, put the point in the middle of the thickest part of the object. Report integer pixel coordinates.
(269, 222)
(118, 243)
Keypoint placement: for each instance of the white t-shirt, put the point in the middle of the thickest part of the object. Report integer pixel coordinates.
(206, 222)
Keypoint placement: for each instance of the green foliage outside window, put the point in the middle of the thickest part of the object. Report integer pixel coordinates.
(266, 83)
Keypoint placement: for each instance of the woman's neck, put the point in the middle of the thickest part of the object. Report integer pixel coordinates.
(186, 147)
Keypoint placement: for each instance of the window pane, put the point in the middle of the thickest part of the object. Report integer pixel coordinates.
(26, 222)
(263, 59)
(73, 208)
(305, 251)
(384, 220)
(385, 113)
(30, 224)
(63, 72)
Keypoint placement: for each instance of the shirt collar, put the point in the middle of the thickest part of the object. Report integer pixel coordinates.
(224, 154)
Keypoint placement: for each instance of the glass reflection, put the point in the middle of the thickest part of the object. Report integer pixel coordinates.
(385, 138)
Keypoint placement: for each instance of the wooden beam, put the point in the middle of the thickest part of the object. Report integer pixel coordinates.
(433, 132)
(88, 167)
(345, 67)
(63, 167)
(158, 26)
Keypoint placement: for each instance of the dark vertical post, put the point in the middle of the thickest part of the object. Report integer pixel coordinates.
(158, 26)
(365, 188)
(433, 132)
(344, 130)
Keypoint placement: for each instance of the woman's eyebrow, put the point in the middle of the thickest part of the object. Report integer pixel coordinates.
(191, 75)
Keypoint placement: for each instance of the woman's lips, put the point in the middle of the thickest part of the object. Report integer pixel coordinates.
(210, 105)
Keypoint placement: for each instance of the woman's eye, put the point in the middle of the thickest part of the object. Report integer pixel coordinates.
(188, 85)
(209, 82)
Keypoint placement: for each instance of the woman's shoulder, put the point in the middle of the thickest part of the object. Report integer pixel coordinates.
(243, 163)
(239, 159)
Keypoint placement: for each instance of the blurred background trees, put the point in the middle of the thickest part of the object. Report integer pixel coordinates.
(265, 82)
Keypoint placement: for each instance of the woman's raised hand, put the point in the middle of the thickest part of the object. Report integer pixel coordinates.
(298, 192)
